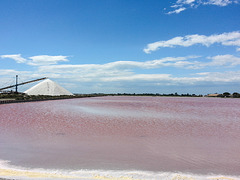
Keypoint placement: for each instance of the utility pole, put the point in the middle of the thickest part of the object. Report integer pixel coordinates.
(16, 84)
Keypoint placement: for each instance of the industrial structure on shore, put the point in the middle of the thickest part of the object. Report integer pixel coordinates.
(46, 87)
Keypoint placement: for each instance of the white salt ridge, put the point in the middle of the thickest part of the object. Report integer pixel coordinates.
(47, 87)
(20, 173)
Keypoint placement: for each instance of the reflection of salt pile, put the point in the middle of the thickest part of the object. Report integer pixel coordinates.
(47, 87)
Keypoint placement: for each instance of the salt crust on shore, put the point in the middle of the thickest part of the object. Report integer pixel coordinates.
(9, 172)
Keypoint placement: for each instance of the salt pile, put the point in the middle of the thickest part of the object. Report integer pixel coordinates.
(47, 87)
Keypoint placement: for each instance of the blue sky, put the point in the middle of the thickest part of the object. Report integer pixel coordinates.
(122, 46)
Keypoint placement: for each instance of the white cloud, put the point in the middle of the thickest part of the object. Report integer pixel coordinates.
(126, 71)
(185, 1)
(125, 68)
(225, 61)
(139, 77)
(225, 39)
(119, 71)
(181, 5)
(7, 72)
(15, 57)
(46, 60)
(113, 76)
(177, 11)
(218, 2)
(129, 75)
(36, 60)
(221, 77)
(118, 67)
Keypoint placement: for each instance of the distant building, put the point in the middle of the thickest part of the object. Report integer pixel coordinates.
(47, 87)
(214, 95)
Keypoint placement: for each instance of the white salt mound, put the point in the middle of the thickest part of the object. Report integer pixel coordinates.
(47, 87)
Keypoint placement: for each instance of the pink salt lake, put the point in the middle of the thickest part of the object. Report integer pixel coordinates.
(167, 134)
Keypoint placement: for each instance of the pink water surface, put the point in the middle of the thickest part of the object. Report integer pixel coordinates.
(196, 135)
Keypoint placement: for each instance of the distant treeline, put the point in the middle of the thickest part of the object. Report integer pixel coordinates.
(155, 94)
(21, 97)
(225, 95)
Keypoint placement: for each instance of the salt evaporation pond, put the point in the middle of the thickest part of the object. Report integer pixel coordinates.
(122, 138)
